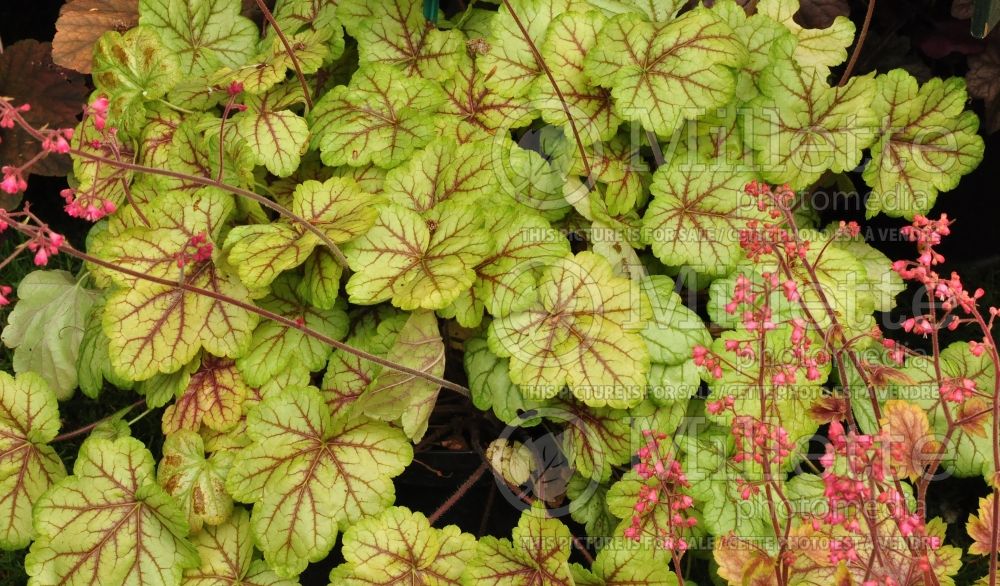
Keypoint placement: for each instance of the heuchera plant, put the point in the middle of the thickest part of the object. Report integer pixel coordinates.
(285, 222)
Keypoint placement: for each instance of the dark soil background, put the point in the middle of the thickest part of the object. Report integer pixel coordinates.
(919, 35)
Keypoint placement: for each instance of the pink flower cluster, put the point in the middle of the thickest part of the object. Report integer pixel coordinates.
(5, 290)
(7, 115)
(13, 180)
(198, 249)
(667, 491)
(860, 481)
(86, 207)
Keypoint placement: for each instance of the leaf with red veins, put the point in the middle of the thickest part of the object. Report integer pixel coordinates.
(154, 249)
(400, 547)
(473, 110)
(307, 472)
(510, 55)
(110, 522)
(443, 170)
(214, 397)
(82, 22)
(537, 553)
(276, 135)
(696, 216)
(277, 348)
(505, 280)
(56, 96)
(155, 328)
(227, 557)
(398, 34)
(417, 262)
(381, 117)
(567, 42)
(582, 332)
(29, 419)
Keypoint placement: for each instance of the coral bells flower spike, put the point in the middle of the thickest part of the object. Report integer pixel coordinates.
(5, 290)
(13, 181)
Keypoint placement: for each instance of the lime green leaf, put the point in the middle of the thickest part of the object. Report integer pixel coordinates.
(882, 283)
(196, 482)
(537, 553)
(295, 15)
(93, 363)
(660, 11)
(204, 34)
(674, 329)
(338, 207)
(95, 179)
(399, 395)
(569, 38)
(110, 523)
(621, 563)
(583, 332)
(213, 397)
(509, 55)
(132, 69)
(530, 181)
(490, 384)
(417, 261)
(471, 109)
(276, 135)
(348, 375)
(307, 472)
(401, 546)
(928, 142)
(157, 328)
(505, 280)
(320, 282)
(758, 33)
(696, 216)
(588, 506)
(227, 557)
(618, 166)
(46, 327)
(398, 34)
(161, 389)
(381, 117)
(443, 170)
(514, 461)
(276, 348)
(29, 419)
(800, 127)
(660, 75)
(270, 67)
(818, 49)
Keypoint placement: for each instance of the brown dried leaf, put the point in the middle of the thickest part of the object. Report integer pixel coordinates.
(82, 22)
(56, 95)
(821, 13)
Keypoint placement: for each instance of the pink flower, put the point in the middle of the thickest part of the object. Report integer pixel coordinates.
(99, 110)
(13, 182)
(41, 257)
(5, 290)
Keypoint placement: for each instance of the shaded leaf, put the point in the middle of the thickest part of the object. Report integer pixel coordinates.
(46, 327)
